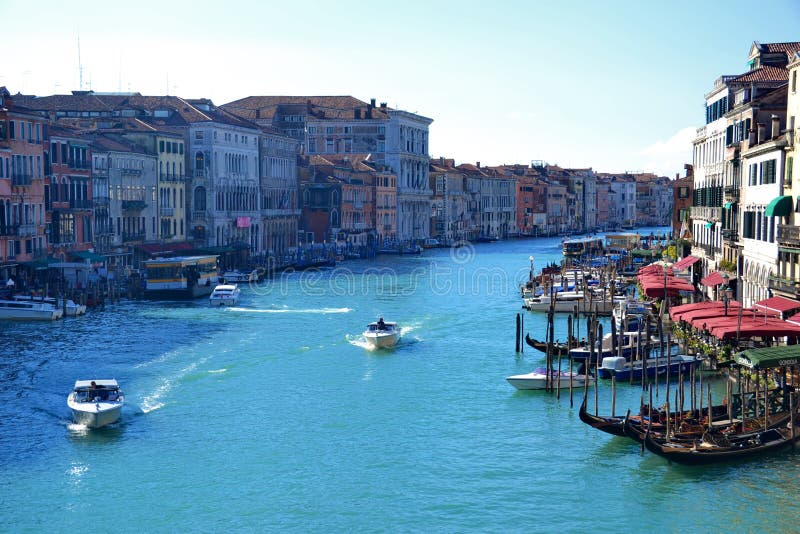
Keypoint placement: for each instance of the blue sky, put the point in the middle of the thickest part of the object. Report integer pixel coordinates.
(612, 85)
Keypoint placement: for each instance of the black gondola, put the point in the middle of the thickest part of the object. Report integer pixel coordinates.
(727, 449)
(610, 425)
(559, 349)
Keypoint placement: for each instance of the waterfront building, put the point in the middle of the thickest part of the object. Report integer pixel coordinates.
(345, 125)
(280, 213)
(22, 185)
(492, 202)
(603, 196)
(125, 184)
(763, 205)
(786, 281)
(653, 200)
(682, 189)
(621, 193)
(531, 193)
(450, 209)
(69, 208)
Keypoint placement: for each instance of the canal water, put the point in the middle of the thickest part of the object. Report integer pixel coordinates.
(274, 416)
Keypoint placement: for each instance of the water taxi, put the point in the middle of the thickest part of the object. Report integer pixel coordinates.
(182, 277)
(583, 247)
(225, 295)
(96, 403)
(382, 335)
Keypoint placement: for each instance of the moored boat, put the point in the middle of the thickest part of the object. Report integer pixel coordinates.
(73, 309)
(15, 310)
(96, 403)
(558, 349)
(240, 277)
(538, 379)
(620, 368)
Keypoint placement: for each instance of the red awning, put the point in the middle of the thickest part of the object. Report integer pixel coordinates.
(755, 327)
(677, 310)
(685, 263)
(794, 319)
(697, 317)
(713, 279)
(777, 305)
(654, 269)
(654, 286)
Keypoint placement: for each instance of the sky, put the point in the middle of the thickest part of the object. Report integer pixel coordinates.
(615, 85)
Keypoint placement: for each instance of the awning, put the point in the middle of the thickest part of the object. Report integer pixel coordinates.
(755, 327)
(727, 205)
(713, 279)
(39, 263)
(779, 207)
(777, 305)
(86, 255)
(708, 224)
(685, 263)
(769, 357)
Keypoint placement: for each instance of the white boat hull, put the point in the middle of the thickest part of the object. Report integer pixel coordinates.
(228, 301)
(95, 414)
(532, 381)
(381, 340)
(29, 311)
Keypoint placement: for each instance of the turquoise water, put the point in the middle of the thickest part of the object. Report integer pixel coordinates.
(273, 416)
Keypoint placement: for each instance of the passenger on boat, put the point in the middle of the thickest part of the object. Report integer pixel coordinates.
(381, 324)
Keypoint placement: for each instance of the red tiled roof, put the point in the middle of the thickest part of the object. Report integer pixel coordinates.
(765, 73)
(781, 47)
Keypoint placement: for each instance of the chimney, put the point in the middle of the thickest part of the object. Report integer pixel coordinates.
(776, 126)
(478, 164)
(383, 106)
(762, 131)
(372, 102)
(441, 161)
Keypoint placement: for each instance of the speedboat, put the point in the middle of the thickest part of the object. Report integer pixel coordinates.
(382, 335)
(73, 309)
(621, 369)
(96, 403)
(16, 310)
(225, 295)
(242, 277)
(537, 379)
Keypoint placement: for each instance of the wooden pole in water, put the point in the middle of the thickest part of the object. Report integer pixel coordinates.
(709, 407)
(741, 395)
(516, 345)
(569, 354)
(521, 332)
(599, 329)
(728, 398)
(791, 418)
(766, 399)
(700, 381)
(613, 394)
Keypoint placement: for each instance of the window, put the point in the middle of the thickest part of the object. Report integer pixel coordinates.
(753, 175)
(794, 81)
(768, 172)
(329, 129)
(12, 130)
(312, 129)
(161, 146)
(789, 164)
(329, 146)
(198, 135)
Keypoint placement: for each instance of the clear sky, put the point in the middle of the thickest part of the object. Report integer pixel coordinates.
(613, 85)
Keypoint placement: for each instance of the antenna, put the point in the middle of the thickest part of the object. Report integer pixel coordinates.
(80, 66)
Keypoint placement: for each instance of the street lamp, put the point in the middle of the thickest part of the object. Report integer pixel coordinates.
(727, 293)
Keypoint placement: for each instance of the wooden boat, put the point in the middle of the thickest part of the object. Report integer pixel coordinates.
(559, 349)
(722, 448)
(610, 425)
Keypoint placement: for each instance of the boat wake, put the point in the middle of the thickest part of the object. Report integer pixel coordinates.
(289, 310)
(359, 341)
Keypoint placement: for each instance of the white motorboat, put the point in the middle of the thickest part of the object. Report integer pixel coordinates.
(537, 379)
(240, 277)
(382, 335)
(16, 310)
(225, 295)
(73, 309)
(96, 403)
(567, 301)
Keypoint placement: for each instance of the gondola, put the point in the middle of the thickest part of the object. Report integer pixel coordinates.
(559, 349)
(688, 428)
(725, 449)
(610, 425)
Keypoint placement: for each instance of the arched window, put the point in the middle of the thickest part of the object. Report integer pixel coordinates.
(200, 198)
(199, 161)
(334, 218)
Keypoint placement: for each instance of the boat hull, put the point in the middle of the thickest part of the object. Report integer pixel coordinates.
(192, 293)
(654, 367)
(96, 415)
(536, 381)
(381, 340)
(21, 311)
(227, 301)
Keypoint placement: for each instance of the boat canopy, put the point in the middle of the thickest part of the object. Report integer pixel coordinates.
(769, 357)
(106, 383)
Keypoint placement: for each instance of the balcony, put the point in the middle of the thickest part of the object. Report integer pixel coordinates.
(199, 173)
(133, 205)
(9, 231)
(199, 215)
(101, 201)
(78, 164)
(166, 212)
(80, 204)
(26, 230)
(730, 235)
(175, 178)
(731, 193)
(706, 213)
(789, 234)
(19, 178)
(133, 236)
(788, 287)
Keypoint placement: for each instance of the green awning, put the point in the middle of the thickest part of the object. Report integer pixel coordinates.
(727, 205)
(769, 357)
(779, 207)
(39, 263)
(709, 224)
(86, 255)
(642, 253)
